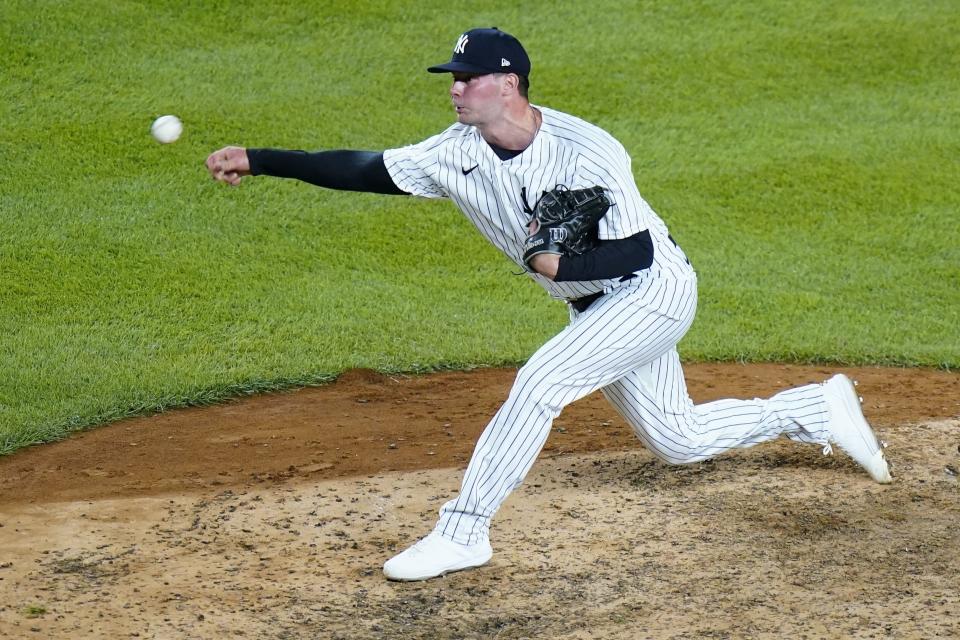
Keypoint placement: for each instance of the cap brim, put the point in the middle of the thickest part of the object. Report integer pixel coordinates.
(458, 67)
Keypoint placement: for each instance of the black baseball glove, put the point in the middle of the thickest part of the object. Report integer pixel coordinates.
(565, 222)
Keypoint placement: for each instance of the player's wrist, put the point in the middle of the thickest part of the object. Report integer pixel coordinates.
(546, 263)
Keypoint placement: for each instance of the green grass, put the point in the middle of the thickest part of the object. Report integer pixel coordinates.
(804, 154)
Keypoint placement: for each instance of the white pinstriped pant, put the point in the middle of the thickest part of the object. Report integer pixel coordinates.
(624, 344)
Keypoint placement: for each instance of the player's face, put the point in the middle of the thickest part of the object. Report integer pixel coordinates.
(477, 99)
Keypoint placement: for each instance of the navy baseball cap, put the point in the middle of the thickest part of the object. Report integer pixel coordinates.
(486, 51)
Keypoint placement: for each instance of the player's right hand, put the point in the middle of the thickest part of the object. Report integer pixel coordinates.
(229, 165)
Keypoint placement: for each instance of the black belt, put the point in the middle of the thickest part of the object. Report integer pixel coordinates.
(581, 304)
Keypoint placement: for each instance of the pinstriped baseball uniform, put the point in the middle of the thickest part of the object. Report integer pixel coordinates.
(624, 343)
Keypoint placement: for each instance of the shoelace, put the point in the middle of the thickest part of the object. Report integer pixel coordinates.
(828, 449)
(420, 544)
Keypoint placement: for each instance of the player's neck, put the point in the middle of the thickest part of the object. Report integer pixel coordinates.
(516, 130)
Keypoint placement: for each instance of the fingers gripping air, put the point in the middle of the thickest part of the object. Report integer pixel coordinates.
(565, 222)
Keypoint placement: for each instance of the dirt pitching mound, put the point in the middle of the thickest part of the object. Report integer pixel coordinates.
(271, 517)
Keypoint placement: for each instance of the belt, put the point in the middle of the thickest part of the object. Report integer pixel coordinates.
(581, 304)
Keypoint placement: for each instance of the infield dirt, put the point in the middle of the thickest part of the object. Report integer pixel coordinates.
(270, 517)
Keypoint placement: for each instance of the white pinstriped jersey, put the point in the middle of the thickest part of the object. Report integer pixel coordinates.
(460, 165)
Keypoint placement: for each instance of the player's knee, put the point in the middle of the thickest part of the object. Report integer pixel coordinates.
(537, 386)
(672, 443)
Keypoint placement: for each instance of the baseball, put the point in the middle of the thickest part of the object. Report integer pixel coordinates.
(166, 129)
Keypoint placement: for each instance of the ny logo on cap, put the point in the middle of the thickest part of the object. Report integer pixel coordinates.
(461, 44)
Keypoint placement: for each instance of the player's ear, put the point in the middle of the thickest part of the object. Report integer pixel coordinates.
(511, 83)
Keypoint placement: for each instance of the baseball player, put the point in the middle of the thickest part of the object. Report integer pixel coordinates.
(557, 196)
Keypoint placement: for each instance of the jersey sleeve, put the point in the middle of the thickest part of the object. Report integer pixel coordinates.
(415, 168)
(629, 213)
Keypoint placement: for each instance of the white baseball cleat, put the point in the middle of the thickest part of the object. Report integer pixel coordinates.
(849, 429)
(435, 556)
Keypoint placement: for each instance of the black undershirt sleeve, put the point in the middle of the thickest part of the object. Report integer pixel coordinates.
(612, 259)
(342, 169)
